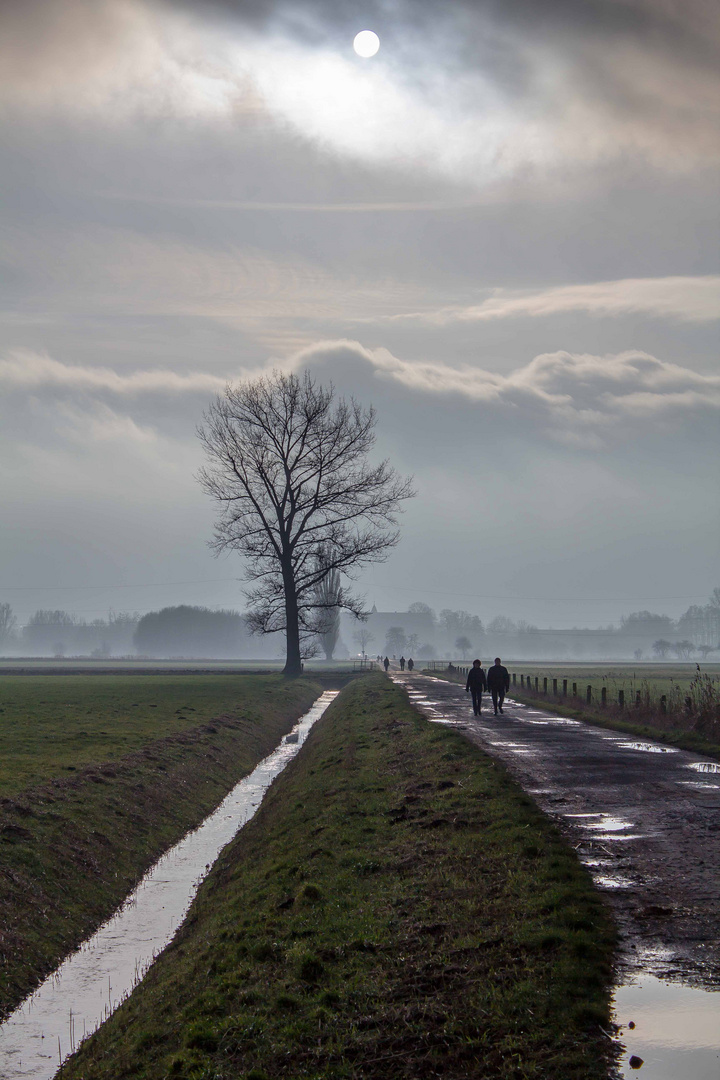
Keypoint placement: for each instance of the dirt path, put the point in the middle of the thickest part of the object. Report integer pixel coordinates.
(644, 818)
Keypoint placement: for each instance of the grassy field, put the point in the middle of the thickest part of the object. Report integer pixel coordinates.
(653, 680)
(101, 774)
(52, 726)
(397, 908)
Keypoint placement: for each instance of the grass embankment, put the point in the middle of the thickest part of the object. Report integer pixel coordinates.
(99, 776)
(397, 908)
(695, 731)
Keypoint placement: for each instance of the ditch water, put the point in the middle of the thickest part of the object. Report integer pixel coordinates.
(73, 1001)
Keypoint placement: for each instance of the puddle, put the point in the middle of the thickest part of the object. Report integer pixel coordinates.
(699, 785)
(676, 1032)
(620, 836)
(91, 983)
(705, 766)
(606, 823)
(647, 747)
(612, 882)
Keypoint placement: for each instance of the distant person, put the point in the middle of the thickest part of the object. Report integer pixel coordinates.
(402, 663)
(411, 664)
(498, 683)
(386, 663)
(475, 684)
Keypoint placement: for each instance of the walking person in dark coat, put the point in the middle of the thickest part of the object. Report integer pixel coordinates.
(476, 684)
(411, 664)
(498, 683)
(386, 663)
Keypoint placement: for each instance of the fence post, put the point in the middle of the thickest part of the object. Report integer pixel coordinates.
(564, 687)
(603, 696)
(555, 687)
(514, 679)
(536, 684)
(588, 695)
(545, 685)
(621, 698)
(574, 689)
(638, 699)
(663, 704)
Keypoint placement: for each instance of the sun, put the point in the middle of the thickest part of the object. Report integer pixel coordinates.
(366, 43)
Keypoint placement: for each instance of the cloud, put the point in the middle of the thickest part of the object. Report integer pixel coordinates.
(27, 370)
(689, 299)
(577, 399)
(543, 88)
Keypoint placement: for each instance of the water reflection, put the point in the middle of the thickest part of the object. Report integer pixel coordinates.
(92, 982)
(675, 1032)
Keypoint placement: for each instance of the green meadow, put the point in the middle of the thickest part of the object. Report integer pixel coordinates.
(398, 907)
(99, 775)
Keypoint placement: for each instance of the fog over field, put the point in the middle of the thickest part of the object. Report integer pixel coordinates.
(501, 231)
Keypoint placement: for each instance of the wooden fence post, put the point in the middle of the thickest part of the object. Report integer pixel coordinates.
(536, 684)
(663, 704)
(564, 687)
(514, 679)
(588, 695)
(621, 698)
(545, 685)
(603, 696)
(555, 687)
(638, 699)
(574, 689)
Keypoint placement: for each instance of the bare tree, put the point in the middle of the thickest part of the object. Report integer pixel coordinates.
(363, 636)
(683, 649)
(395, 640)
(288, 467)
(464, 644)
(329, 597)
(8, 622)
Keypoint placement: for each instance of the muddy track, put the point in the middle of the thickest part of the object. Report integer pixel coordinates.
(644, 818)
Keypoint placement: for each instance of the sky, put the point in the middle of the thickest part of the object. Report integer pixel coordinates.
(501, 231)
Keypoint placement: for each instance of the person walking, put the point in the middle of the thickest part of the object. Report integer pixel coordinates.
(411, 664)
(475, 684)
(386, 663)
(402, 663)
(498, 683)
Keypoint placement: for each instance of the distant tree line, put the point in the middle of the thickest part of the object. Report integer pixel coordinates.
(641, 635)
(181, 631)
(185, 631)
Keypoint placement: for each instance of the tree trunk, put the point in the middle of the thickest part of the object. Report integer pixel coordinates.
(293, 660)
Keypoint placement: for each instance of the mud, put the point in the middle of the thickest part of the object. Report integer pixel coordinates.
(644, 820)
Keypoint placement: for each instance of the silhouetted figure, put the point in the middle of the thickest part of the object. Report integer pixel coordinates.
(475, 685)
(411, 664)
(386, 663)
(402, 663)
(498, 683)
